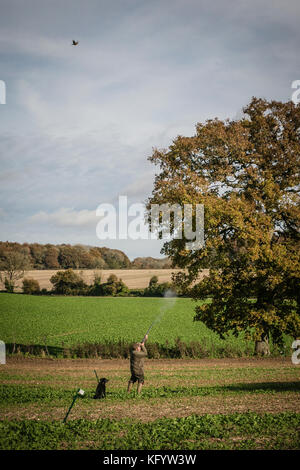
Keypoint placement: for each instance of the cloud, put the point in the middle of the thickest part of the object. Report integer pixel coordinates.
(140, 188)
(80, 122)
(65, 217)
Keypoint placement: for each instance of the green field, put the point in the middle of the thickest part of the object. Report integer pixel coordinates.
(63, 322)
(237, 403)
(210, 432)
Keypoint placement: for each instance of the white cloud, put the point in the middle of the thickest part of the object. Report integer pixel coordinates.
(65, 217)
(81, 121)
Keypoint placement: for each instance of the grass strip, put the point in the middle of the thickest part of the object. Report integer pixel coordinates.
(234, 431)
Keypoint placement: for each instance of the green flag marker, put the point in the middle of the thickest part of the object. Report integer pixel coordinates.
(79, 393)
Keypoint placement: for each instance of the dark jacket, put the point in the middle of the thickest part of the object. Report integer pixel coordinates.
(137, 361)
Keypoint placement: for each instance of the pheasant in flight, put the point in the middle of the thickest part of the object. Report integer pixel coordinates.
(74, 43)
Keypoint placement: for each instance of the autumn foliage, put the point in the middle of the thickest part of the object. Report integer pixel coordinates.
(246, 173)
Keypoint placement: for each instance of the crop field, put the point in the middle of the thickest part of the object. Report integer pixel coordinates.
(245, 403)
(59, 323)
(133, 278)
(225, 400)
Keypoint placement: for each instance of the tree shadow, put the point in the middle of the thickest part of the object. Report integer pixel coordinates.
(264, 386)
(254, 387)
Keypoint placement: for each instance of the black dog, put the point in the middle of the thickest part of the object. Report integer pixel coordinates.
(101, 388)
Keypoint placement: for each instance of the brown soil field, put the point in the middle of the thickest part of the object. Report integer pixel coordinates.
(71, 373)
(133, 278)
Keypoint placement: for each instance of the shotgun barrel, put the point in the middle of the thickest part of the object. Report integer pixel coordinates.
(149, 329)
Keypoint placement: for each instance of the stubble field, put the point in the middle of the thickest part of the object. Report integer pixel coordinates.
(133, 278)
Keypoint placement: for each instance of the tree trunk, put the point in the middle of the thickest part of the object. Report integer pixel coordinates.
(262, 347)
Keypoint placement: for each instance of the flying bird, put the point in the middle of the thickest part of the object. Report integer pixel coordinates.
(74, 43)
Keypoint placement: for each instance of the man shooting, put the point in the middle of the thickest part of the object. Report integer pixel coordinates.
(137, 354)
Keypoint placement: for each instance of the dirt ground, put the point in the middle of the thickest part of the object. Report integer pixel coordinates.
(71, 373)
(154, 364)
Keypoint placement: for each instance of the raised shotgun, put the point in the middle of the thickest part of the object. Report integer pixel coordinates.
(144, 339)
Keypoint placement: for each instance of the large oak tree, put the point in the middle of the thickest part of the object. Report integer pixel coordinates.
(246, 173)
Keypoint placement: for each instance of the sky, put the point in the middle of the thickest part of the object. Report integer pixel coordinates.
(80, 122)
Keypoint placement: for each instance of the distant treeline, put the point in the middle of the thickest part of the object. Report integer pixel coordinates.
(81, 257)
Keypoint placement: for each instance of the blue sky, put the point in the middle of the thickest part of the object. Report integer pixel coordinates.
(80, 122)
